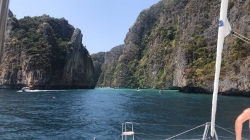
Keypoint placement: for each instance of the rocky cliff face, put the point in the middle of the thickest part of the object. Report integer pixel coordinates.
(107, 76)
(173, 44)
(78, 71)
(45, 53)
(98, 60)
(105, 64)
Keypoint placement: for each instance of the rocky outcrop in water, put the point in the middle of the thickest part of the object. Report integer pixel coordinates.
(45, 53)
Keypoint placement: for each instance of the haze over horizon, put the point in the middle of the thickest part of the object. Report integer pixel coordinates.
(104, 24)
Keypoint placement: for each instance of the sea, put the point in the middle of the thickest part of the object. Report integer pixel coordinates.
(98, 114)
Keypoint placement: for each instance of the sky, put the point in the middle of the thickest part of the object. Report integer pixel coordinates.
(104, 23)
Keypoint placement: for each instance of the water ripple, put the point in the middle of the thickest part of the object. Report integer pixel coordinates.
(99, 113)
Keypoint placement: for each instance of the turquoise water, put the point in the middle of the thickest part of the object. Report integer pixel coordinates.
(99, 113)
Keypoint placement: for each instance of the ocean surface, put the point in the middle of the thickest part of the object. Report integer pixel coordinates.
(99, 113)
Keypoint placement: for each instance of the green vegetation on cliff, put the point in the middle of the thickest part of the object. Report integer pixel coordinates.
(151, 42)
(43, 39)
(173, 44)
(46, 53)
(105, 64)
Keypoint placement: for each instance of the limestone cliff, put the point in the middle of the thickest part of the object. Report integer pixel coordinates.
(173, 44)
(45, 53)
(106, 78)
(98, 60)
(105, 64)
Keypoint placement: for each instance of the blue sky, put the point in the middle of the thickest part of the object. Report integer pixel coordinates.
(104, 23)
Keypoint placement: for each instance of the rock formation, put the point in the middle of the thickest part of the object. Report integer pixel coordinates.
(105, 64)
(44, 53)
(98, 60)
(173, 44)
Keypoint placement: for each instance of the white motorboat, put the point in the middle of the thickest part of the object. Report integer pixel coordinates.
(25, 89)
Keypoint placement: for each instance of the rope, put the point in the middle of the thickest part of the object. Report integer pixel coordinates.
(225, 129)
(243, 38)
(241, 35)
(229, 131)
(185, 132)
(159, 135)
(233, 129)
(159, 124)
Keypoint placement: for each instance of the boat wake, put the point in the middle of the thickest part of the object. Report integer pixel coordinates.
(36, 90)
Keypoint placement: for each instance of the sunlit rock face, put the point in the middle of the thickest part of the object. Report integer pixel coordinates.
(173, 44)
(44, 53)
(105, 64)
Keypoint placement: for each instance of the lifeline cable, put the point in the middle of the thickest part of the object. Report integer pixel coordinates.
(186, 131)
(229, 131)
(241, 37)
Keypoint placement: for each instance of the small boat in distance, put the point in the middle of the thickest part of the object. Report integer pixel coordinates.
(160, 91)
(25, 89)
